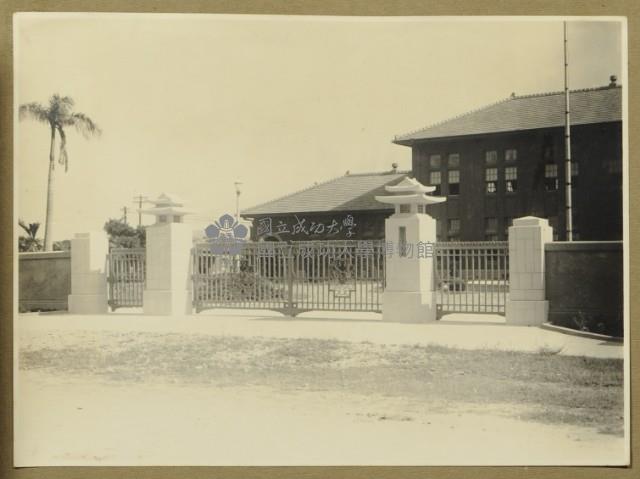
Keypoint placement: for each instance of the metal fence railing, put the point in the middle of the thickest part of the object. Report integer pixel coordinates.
(291, 277)
(126, 276)
(471, 277)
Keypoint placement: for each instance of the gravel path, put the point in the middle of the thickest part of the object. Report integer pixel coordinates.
(129, 396)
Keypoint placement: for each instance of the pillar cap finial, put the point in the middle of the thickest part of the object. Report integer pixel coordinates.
(410, 191)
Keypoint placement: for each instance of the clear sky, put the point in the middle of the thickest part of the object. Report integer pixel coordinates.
(190, 104)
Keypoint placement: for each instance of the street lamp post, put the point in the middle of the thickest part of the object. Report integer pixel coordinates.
(237, 185)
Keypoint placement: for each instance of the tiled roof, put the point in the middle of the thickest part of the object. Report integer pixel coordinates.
(545, 110)
(353, 192)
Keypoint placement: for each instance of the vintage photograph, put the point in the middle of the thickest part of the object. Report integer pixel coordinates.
(256, 240)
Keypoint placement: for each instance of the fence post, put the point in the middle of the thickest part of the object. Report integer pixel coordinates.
(527, 304)
(88, 273)
(409, 296)
(167, 290)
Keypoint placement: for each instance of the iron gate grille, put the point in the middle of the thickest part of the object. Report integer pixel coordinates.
(292, 278)
(126, 272)
(471, 277)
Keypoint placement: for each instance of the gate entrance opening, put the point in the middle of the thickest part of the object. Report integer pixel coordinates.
(291, 278)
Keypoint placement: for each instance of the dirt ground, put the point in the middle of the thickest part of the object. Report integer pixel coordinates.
(126, 398)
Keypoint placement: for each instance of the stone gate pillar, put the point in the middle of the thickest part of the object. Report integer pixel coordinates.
(409, 295)
(88, 273)
(526, 304)
(168, 283)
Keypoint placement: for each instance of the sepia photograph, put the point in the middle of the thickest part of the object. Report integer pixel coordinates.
(280, 240)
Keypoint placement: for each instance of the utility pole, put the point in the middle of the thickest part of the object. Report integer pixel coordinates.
(237, 185)
(567, 144)
(124, 209)
(139, 199)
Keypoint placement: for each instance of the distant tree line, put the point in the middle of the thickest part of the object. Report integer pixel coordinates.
(31, 243)
(122, 235)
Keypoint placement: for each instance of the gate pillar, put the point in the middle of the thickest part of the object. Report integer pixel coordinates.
(167, 270)
(526, 304)
(409, 295)
(169, 241)
(88, 273)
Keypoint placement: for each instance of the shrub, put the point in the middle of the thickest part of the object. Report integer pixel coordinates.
(239, 286)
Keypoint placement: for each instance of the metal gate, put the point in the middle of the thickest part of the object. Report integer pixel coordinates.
(471, 277)
(292, 278)
(126, 272)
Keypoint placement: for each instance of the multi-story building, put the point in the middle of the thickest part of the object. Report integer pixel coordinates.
(507, 160)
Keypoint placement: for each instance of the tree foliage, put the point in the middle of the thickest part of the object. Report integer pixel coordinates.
(58, 115)
(122, 235)
(29, 243)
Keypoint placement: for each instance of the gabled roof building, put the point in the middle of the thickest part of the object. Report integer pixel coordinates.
(341, 208)
(506, 160)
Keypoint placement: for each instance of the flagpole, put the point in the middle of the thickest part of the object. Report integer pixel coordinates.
(567, 144)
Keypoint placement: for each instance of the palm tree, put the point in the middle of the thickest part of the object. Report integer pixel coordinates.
(58, 115)
(30, 242)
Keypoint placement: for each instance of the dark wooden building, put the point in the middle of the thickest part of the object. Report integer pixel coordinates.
(341, 208)
(507, 160)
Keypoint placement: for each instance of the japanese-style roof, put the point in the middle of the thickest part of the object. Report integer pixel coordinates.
(351, 192)
(528, 112)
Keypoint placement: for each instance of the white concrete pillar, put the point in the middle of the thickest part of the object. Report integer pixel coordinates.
(88, 273)
(409, 296)
(526, 304)
(168, 282)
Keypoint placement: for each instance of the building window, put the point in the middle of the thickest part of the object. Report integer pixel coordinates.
(454, 160)
(454, 182)
(491, 225)
(510, 155)
(435, 179)
(453, 229)
(439, 234)
(551, 176)
(405, 208)
(511, 178)
(420, 208)
(491, 180)
(491, 158)
(435, 161)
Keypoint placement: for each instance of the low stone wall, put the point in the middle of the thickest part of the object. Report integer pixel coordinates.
(584, 285)
(44, 281)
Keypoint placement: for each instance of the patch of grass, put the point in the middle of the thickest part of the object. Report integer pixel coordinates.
(553, 388)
